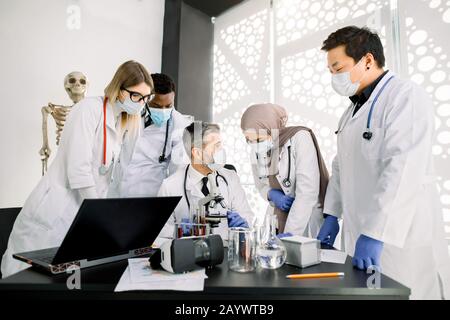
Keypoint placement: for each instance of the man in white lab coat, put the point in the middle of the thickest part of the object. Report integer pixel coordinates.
(204, 144)
(383, 183)
(159, 150)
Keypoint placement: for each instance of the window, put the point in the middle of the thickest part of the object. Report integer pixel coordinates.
(270, 51)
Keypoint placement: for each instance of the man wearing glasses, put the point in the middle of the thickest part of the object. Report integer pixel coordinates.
(159, 149)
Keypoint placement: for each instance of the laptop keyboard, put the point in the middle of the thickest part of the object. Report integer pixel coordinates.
(46, 255)
(48, 259)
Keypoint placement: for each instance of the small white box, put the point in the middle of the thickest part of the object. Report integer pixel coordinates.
(301, 251)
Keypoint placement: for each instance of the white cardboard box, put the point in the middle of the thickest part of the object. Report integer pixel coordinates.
(301, 251)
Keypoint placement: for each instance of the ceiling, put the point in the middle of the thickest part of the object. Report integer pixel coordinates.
(213, 8)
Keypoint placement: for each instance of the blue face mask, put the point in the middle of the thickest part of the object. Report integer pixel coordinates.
(130, 107)
(159, 116)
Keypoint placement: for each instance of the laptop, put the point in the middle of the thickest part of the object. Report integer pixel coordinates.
(106, 230)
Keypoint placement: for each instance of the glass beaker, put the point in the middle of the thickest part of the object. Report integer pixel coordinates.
(270, 250)
(241, 249)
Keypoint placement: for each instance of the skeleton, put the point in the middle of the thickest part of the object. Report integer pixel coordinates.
(75, 84)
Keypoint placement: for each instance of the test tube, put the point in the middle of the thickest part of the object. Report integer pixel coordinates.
(192, 220)
(179, 231)
(203, 222)
(195, 223)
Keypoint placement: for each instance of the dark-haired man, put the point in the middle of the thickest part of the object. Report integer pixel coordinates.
(382, 182)
(159, 150)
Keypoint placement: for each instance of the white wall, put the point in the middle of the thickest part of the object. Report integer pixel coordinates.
(38, 48)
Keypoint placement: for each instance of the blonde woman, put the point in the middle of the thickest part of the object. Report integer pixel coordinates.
(95, 132)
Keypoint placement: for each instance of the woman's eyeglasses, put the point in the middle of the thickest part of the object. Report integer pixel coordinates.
(137, 97)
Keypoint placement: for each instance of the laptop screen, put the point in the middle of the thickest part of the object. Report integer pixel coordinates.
(111, 227)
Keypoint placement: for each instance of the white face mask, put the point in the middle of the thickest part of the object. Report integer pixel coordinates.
(218, 160)
(130, 107)
(262, 151)
(262, 148)
(342, 83)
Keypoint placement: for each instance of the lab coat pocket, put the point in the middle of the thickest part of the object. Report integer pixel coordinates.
(372, 149)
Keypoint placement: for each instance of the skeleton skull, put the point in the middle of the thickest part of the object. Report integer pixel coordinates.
(76, 84)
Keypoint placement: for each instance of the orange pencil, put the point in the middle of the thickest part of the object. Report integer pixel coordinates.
(316, 275)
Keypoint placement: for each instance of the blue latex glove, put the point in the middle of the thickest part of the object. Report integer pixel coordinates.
(284, 235)
(235, 220)
(280, 200)
(367, 252)
(329, 230)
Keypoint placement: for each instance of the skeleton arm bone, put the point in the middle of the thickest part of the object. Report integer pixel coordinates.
(45, 150)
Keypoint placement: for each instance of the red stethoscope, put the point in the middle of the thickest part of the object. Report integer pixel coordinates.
(103, 168)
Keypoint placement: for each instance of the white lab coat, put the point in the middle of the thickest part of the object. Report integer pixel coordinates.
(233, 193)
(144, 174)
(51, 207)
(305, 216)
(385, 188)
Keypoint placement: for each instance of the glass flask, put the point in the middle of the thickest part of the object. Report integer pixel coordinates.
(270, 250)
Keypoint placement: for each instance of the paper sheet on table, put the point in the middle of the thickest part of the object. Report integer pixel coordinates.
(139, 276)
(140, 271)
(333, 256)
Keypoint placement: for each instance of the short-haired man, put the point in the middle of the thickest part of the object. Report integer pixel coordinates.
(382, 182)
(204, 145)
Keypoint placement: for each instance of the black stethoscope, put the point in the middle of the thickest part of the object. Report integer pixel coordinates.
(368, 134)
(185, 179)
(287, 181)
(162, 157)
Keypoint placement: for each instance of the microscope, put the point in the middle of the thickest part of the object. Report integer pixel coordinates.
(209, 206)
(208, 217)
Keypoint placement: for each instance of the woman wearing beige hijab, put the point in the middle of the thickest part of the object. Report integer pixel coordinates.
(288, 169)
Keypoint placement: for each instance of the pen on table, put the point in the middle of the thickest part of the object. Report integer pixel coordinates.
(316, 275)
